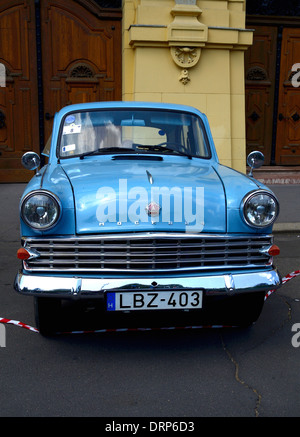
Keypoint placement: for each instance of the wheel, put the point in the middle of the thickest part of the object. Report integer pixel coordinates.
(244, 310)
(47, 315)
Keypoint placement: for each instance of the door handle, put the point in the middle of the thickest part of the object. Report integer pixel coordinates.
(48, 116)
(281, 117)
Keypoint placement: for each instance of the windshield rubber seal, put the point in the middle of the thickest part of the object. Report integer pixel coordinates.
(206, 139)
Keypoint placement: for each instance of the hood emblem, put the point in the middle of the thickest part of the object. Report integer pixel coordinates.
(153, 209)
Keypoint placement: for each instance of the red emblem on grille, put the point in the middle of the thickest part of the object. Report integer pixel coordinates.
(153, 209)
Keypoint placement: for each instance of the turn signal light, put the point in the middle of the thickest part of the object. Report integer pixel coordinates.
(274, 250)
(23, 254)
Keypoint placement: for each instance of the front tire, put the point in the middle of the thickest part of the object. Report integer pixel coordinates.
(244, 310)
(47, 315)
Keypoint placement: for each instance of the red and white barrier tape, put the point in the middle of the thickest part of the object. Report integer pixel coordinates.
(31, 328)
(166, 328)
(284, 280)
(17, 323)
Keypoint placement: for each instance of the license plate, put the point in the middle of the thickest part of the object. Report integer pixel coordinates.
(154, 300)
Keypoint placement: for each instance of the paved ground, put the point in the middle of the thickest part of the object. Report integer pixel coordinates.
(289, 199)
(177, 374)
(231, 373)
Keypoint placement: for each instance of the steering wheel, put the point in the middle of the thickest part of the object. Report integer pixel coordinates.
(183, 149)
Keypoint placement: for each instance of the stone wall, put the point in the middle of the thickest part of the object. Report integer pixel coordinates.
(191, 52)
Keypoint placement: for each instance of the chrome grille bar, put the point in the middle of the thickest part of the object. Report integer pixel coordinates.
(147, 252)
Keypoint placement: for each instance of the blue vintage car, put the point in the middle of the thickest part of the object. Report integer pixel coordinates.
(134, 209)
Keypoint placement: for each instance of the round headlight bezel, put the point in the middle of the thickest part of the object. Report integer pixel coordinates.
(53, 198)
(250, 197)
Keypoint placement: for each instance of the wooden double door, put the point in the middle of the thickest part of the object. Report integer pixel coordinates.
(273, 94)
(55, 53)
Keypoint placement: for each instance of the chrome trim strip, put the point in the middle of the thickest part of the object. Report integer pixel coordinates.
(76, 287)
(153, 235)
(33, 254)
(82, 287)
(229, 282)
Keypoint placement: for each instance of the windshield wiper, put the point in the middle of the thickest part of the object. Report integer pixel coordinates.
(159, 147)
(137, 150)
(108, 149)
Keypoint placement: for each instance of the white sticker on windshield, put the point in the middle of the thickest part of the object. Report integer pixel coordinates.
(68, 148)
(72, 129)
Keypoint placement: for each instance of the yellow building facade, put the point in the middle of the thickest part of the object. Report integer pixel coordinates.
(190, 52)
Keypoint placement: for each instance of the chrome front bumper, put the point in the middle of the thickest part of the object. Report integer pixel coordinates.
(82, 287)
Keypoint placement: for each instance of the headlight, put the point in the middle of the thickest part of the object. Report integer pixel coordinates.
(260, 209)
(40, 210)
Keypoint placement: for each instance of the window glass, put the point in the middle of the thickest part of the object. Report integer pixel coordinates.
(139, 131)
(46, 150)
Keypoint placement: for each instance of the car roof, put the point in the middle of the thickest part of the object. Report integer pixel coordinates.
(129, 105)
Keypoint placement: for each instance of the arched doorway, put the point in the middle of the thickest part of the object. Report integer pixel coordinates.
(55, 52)
(272, 81)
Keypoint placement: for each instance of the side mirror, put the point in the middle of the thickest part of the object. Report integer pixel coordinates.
(255, 160)
(31, 161)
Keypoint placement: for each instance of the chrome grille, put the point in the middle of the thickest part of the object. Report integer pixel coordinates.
(147, 252)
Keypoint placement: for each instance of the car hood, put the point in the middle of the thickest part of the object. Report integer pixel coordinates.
(152, 193)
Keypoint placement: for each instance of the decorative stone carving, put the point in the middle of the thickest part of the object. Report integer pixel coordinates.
(185, 27)
(184, 77)
(186, 36)
(185, 57)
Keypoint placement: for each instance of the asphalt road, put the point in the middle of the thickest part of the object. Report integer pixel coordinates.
(195, 373)
(183, 373)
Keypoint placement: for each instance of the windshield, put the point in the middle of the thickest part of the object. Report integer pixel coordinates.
(132, 131)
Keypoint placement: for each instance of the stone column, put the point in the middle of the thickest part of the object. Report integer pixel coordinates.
(191, 52)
